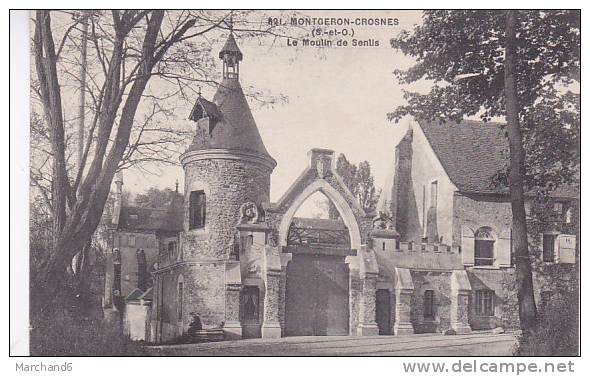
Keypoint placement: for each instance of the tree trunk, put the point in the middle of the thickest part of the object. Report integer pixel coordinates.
(524, 278)
(83, 63)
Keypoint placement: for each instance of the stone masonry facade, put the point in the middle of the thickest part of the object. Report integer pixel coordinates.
(434, 258)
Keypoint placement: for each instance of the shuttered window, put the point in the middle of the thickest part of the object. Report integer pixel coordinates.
(484, 247)
(549, 247)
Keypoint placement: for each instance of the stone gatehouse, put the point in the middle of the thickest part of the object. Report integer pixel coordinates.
(436, 256)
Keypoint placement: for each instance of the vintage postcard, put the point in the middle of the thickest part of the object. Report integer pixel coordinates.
(304, 183)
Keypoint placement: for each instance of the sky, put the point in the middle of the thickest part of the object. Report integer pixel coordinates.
(337, 98)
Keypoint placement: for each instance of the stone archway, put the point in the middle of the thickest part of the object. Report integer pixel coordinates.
(336, 198)
(317, 296)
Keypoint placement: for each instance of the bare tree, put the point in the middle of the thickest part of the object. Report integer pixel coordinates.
(138, 64)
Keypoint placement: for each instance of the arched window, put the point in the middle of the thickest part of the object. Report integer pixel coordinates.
(484, 246)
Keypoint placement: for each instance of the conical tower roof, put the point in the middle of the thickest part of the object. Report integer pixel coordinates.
(231, 48)
(231, 124)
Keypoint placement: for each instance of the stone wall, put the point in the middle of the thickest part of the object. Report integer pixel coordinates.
(227, 183)
(503, 283)
(204, 293)
(440, 283)
(476, 211)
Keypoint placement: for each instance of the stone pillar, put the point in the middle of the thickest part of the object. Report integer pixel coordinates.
(460, 290)
(367, 324)
(232, 327)
(233, 283)
(354, 292)
(282, 298)
(404, 289)
(271, 326)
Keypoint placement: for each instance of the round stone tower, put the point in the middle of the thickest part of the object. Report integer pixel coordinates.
(226, 166)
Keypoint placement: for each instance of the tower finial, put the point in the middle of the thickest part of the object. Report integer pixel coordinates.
(231, 54)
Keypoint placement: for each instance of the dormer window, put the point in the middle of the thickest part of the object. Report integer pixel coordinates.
(203, 109)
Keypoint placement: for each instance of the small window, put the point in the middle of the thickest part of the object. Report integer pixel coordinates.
(429, 304)
(484, 303)
(132, 240)
(197, 206)
(171, 249)
(180, 300)
(568, 215)
(484, 246)
(383, 246)
(142, 272)
(433, 194)
(549, 247)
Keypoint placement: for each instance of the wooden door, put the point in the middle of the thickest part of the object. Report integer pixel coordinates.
(316, 296)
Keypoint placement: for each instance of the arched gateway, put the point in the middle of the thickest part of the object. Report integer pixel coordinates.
(318, 253)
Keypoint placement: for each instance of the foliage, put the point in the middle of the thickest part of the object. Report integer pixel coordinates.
(65, 329)
(360, 182)
(139, 63)
(462, 54)
(516, 65)
(157, 198)
(558, 332)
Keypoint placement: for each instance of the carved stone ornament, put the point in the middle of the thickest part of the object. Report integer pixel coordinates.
(249, 213)
(323, 166)
(382, 222)
(273, 239)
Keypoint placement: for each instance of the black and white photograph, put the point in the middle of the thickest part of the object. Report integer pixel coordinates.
(299, 183)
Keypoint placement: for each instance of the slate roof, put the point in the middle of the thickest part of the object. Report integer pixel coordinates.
(135, 294)
(237, 128)
(152, 219)
(230, 47)
(204, 108)
(319, 223)
(471, 152)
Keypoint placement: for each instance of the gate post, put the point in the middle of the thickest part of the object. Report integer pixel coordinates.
(367, 324)
(271, 326)
(460, 290)
(233, 284)
(368, 273)
(404, 289)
